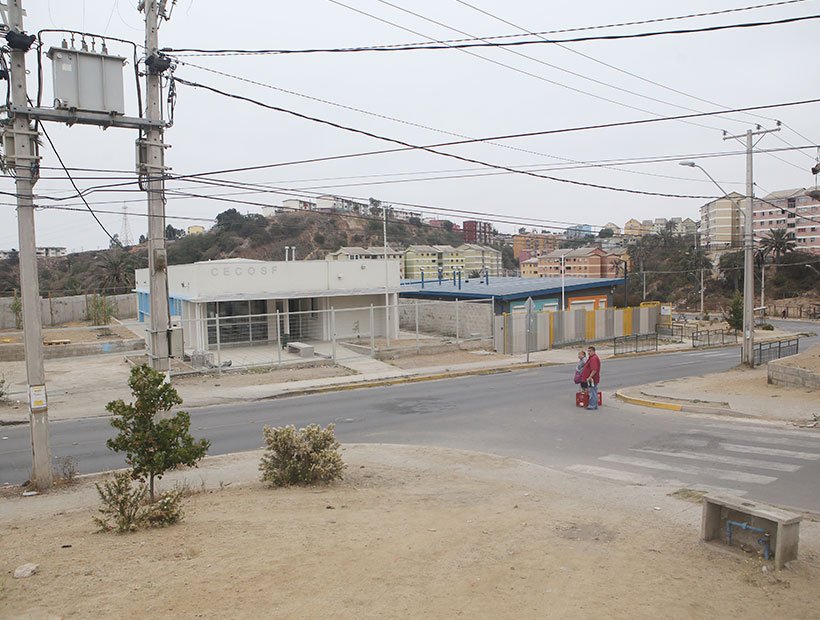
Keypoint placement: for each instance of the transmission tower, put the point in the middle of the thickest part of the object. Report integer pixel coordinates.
(125, 229)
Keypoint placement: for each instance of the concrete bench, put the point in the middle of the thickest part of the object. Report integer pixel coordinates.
(304, 350)
(740, 522)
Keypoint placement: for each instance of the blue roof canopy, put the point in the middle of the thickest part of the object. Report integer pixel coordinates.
(503, 289)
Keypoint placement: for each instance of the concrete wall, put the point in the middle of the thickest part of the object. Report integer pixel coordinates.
(16, 352)
(439, 317)
(59, 310)
(780, 374)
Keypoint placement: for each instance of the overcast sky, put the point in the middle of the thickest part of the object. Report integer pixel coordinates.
(450, 91)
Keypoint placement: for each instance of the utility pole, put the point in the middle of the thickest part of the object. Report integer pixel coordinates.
(153, 164)
(748, 356)
(26, 170)
(386, 281)
(701, 292)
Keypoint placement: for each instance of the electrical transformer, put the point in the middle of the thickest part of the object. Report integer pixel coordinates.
(87, 80)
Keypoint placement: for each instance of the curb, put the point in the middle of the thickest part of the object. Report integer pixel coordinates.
(400, 380)
(657, 404)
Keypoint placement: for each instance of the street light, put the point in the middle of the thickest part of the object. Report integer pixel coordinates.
(748, 269)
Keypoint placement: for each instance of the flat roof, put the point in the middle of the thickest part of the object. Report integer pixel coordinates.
(504, 289)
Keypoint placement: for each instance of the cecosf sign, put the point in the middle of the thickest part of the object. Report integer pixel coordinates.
(235, 270)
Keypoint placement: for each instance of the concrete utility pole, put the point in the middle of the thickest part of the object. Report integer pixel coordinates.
(26, 170)
(154, 165)
(386, 281)
(748, 355)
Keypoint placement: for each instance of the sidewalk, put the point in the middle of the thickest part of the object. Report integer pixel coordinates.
(739, 392)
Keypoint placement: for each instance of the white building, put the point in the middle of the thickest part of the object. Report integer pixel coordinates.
(722, 224)
(50, 252)
(242, 297)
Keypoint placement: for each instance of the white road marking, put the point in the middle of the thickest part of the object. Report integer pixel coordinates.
(612, 474)
(780, 441)
(718, 458)
(796, 434)
(721, 474)
(793, 454)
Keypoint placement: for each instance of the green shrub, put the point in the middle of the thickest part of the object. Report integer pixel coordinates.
(307, 456)
(124, 507)
(766, 327)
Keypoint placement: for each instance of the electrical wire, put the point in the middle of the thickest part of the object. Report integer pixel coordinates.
(625, 72)
(421, 46)
(405, 122)
(77, 189)
(432, 150)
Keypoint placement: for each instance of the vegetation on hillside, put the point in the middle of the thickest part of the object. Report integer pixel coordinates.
(234, 235)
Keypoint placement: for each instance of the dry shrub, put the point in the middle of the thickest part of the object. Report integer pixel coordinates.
(124, 507)
(307, 456)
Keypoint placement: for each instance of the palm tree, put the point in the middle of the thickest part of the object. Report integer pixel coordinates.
(779, 242)
(118, 269)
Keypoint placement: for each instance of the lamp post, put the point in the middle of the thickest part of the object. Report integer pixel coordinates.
(747, 353)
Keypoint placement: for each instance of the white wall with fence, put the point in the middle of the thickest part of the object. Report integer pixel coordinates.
(59, 310)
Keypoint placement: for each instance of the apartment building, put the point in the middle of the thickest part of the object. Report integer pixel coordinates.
(634, 229)
(480, 258)
(579, 231)
(51, 252)
(348, 253)
(529, 268)
(590, 262)
(721, 223)
(477, 232)
(791, 209)
(533, 241)
(616, 230)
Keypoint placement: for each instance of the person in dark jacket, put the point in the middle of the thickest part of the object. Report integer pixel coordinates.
(592, 376)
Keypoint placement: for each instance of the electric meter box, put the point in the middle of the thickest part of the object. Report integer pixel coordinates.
(87, 81)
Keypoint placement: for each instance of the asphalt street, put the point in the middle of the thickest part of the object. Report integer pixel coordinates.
(528, 414)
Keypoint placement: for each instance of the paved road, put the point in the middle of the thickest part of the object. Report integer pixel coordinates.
(528, 414)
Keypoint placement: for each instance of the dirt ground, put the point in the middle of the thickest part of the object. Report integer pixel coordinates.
(808, 360)
(449, 358)
(75, 331)
(262, 376)
(410, 533)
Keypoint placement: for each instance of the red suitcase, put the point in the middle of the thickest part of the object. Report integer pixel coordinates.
(582, 400)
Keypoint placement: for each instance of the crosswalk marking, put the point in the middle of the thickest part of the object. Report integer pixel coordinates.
(718, 458)
(612, 474)
(796, 434)
(721, 474)
(792, 454)
(781, 441)
(620, 475)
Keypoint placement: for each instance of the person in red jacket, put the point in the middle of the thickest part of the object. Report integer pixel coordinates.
(592, 376)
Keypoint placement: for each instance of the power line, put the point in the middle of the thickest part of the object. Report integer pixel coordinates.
(77, 189)
(411, 123)
(431, 149)
(455, 45)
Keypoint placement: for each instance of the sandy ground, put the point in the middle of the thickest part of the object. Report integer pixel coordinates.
(808, 360)
(260, 376)
(411, 533)
(742, 390)
(76, 331)
(448, 358)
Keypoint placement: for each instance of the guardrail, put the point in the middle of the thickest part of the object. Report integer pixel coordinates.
(635, 344)
(711, 337)
(768, 351)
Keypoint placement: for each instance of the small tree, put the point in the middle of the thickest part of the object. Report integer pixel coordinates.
(152, 445)
(735, 314)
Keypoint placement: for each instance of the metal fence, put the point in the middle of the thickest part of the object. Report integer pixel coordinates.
(711, 337)
(348, 336)
(635, 344)
(765, 352)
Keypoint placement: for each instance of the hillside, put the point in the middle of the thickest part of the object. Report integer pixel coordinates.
(234, 235)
